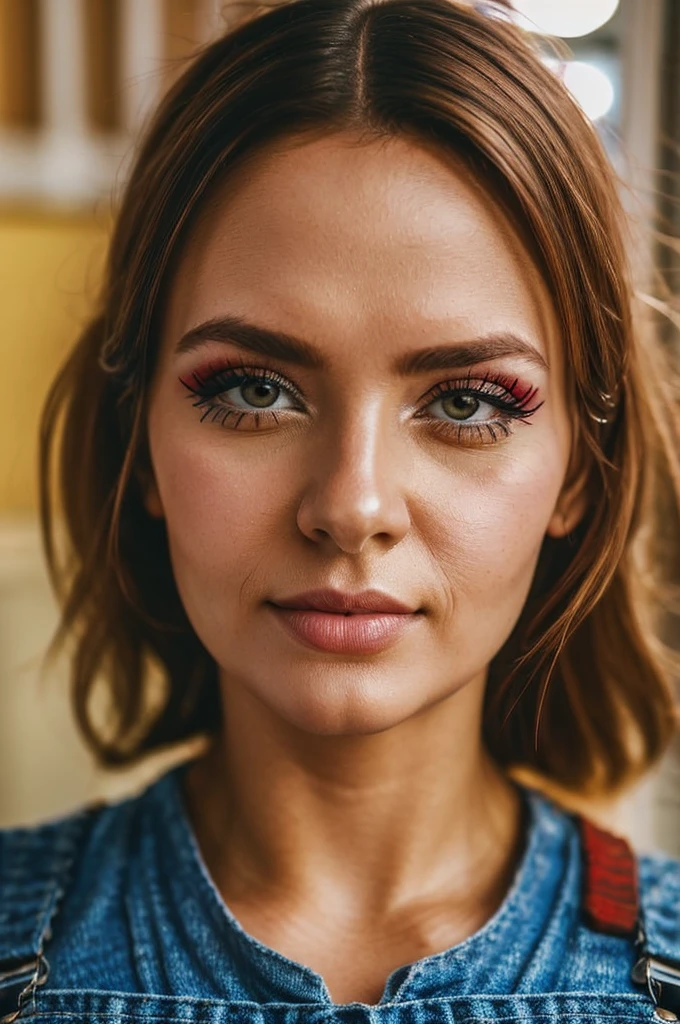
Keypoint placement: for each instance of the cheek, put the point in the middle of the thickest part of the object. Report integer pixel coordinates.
(490, 522)
(222, 508)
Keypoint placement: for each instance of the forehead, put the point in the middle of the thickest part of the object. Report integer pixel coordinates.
(385, 238)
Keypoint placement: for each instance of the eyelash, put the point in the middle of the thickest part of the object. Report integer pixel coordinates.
(209, 385)
(514, 401)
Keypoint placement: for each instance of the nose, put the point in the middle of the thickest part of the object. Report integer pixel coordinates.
(355, 491)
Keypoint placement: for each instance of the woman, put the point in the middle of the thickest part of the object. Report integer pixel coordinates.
(357, 461)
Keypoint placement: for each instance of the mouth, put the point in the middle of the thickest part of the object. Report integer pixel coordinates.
(366, 602)
(346, 624)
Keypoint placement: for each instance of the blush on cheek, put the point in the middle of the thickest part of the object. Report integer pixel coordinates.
(533, 484)
(216, 505)
(223, 507)
(492, 524)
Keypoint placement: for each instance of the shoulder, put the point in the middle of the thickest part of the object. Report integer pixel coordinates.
(32, 855)
(659, 877)
(609, 889)
(54, 855)
(52, 840)
(36, 866)
(63, 881)
(658, 870)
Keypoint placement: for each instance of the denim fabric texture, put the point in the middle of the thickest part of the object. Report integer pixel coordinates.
(139, 932)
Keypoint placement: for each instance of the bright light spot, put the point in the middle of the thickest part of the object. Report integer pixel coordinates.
(566, 18)
(590, 86)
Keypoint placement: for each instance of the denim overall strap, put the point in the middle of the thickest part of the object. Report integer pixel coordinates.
(615, 902)
(35, 865)
(658, 966)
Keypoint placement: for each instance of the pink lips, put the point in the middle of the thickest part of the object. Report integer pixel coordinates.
(340, 623)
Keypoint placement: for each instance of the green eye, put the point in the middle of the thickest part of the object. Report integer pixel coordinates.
(260, 394)
(460, 407)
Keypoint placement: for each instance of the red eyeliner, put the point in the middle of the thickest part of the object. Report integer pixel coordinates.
(523, 393)
(513, 385)
(508, 393)
(207, 370)
(516, 387)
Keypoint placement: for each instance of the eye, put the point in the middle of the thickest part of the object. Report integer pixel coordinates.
(461, 407)
(252, 395)
(479, 410)
(259, 394)
(255, 394)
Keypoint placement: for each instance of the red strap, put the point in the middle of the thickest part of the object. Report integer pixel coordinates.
(610, 890)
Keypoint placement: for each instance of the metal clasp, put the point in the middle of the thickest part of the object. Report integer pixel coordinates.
(663, 984)
(18, 983)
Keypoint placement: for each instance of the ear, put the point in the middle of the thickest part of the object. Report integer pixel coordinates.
(571, 505)
(151, 497)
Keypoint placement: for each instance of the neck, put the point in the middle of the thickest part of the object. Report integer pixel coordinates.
(362, 825)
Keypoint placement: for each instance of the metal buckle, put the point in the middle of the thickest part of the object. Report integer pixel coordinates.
(17, 985)
(663, 984)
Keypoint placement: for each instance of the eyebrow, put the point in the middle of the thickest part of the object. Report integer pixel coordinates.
(291, 349)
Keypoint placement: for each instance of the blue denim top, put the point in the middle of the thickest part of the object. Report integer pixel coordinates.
(133, 928)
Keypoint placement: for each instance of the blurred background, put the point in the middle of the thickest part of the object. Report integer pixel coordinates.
(78, 79)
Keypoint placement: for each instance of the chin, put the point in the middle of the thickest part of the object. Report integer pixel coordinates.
(350, 722)
(336, 710)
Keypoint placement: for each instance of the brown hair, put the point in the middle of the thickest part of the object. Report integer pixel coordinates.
(578, 693)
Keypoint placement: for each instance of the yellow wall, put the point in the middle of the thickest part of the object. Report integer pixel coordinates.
(49, 271)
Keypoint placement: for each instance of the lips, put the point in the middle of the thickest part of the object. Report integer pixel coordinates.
(367, 602)
(345, 624)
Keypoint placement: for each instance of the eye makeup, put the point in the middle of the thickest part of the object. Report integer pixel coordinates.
(209, 385)
(498, 389)
(473, 409)
(508, 398)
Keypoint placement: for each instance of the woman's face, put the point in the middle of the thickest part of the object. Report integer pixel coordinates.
(359, 388)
